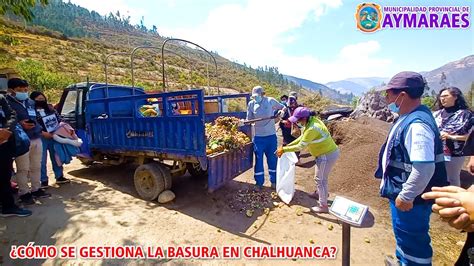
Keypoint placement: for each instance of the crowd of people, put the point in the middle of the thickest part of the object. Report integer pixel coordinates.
(27, 122)
(419, 165)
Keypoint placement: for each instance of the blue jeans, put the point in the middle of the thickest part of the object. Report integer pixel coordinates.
(265, 146)
(58, 170)
(411, 231)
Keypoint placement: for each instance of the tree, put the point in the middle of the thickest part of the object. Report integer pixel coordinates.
(429, 101)
(20, 7)
(41, 78)
(470, 96)
(442, 81)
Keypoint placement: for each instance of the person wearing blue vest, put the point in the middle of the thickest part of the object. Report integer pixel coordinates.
(265, 139)
(411, 162)
(28, 165)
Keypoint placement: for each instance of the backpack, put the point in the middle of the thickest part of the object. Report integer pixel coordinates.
(22, 141)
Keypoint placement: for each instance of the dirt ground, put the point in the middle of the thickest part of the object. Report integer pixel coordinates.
(100, 207)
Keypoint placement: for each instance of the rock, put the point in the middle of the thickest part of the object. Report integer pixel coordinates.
(367, 240)
(373, 104)
(166, 196)
(330, 227)
(249, 213)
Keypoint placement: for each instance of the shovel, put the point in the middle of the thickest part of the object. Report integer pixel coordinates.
(246, 122)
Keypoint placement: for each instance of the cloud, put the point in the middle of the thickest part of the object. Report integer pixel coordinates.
(112, 6)
(354, 60)
(256, 32)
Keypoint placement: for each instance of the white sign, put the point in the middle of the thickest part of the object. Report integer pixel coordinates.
(51, 123)
(348, 211)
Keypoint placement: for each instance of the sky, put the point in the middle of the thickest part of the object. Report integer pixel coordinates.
(312, 39)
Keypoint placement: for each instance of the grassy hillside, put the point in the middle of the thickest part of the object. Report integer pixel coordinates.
(51, 56)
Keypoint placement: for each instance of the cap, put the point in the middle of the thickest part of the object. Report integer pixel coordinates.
(405, 80)
(294, 94)
(257, 91)
(300, 112)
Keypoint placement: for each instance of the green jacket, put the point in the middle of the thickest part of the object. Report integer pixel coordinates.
(315, 136)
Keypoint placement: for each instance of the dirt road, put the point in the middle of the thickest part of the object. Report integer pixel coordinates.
(101, 207)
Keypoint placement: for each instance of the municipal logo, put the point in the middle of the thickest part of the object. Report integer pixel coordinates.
(368, 17)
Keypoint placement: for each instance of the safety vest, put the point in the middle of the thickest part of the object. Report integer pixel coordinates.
(399, 165)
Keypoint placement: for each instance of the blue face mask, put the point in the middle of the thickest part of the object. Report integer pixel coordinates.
(258, 99)
(393, 106)
(21, 96)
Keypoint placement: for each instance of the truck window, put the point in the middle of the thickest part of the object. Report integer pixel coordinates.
(69, 106)
(3, 81)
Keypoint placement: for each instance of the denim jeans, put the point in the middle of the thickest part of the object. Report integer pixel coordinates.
(58, 170)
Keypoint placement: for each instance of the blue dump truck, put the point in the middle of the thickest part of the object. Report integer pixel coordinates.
(108, 119)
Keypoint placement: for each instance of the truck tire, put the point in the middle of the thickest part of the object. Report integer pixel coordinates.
(166, 176)
(149, 181)
(86, 161)
(195, 170)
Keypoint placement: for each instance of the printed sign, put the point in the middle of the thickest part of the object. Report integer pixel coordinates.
(51, 123)
(349, 211)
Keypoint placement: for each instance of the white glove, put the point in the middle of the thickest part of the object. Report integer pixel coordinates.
(241, 123)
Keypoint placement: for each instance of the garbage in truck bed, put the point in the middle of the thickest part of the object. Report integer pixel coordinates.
(224, 135)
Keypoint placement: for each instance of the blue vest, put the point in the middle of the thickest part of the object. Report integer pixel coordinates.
(399, 164)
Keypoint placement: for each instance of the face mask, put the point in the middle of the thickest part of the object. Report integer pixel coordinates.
(21, 96)
(258, 98)
(393, 106)
(41, 104)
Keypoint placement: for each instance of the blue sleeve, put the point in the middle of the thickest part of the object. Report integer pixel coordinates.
(249, 111)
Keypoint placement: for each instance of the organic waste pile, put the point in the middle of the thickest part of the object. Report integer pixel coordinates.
(224, 135)
(148, 110)
(247, 201)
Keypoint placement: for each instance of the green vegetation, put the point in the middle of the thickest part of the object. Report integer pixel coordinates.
(20, 7)
(355, 102)
(470, 96)
(316, 102)
(66, 43)
(41, 78)
(429, 101)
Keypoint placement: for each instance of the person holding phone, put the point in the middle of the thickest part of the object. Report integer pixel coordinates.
(28, 165)
(7, 147)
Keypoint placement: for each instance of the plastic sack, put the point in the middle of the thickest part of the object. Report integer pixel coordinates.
(285, 185)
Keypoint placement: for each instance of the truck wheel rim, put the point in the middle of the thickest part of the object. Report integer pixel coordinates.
(146, 181)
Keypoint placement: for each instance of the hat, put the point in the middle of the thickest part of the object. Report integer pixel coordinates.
(292, 99)
(294, 94)
(257, 91)
(404, 80)
(300, 112)
(16, 83)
